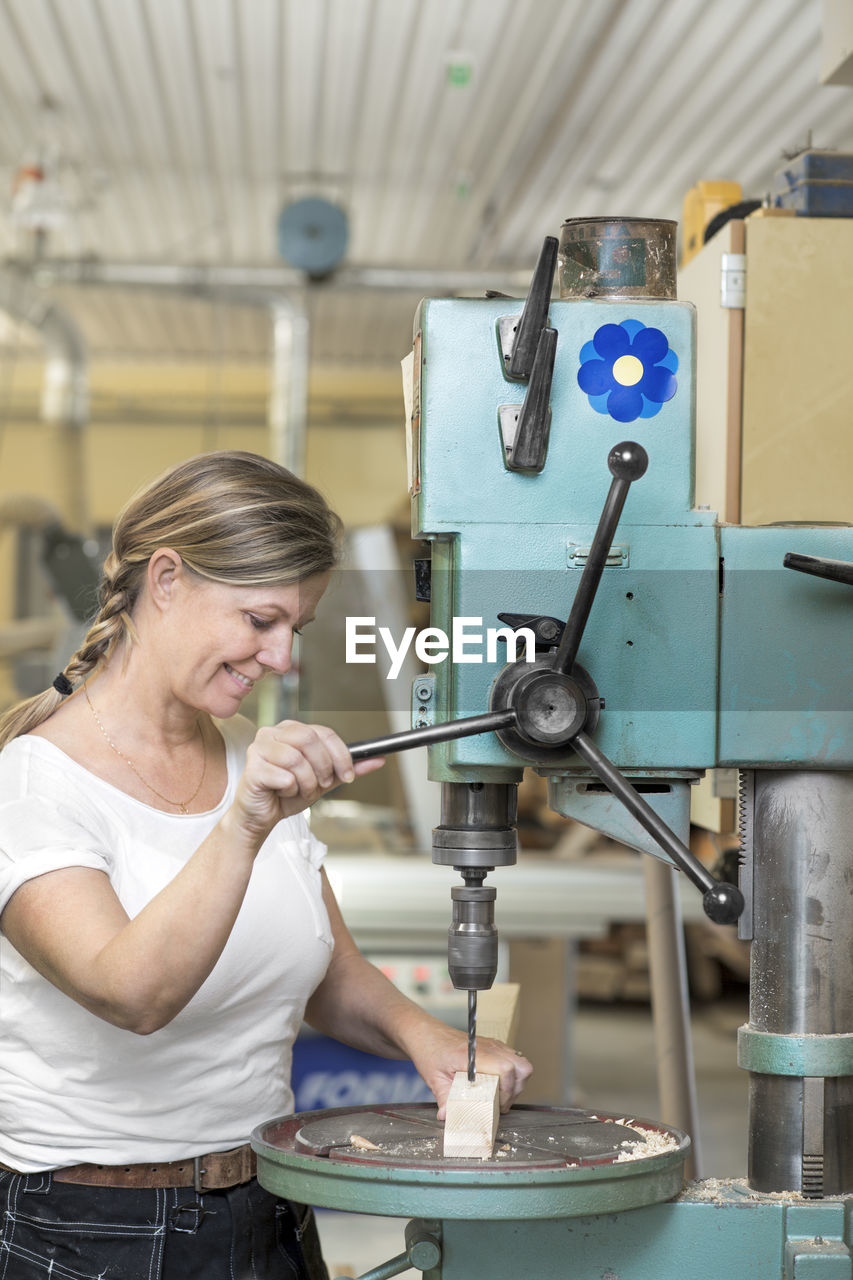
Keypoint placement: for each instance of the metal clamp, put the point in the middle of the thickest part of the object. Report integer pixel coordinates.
(787, 1055)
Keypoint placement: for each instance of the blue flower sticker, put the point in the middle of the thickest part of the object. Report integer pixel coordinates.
(628, 370)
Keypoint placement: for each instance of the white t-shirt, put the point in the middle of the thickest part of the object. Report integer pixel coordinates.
(74, 1088)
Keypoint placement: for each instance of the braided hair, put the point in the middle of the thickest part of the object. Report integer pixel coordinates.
(233, 517)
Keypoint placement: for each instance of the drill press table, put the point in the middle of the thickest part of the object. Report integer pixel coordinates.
(551, 1206)
(549, 1162)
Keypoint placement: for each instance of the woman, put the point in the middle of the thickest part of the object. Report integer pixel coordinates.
(166, 923)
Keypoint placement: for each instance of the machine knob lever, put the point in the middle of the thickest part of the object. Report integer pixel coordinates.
(819, 567)
(534, 317)
(552, 696)
(627, 462)
(432, 734)
(722, 902)
(530, 443)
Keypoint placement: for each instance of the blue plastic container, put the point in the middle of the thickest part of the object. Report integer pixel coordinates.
(815, 184)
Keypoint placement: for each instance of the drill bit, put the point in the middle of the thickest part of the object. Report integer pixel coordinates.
(472, 1034)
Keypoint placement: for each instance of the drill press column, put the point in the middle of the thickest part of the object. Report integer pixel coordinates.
(801, 983)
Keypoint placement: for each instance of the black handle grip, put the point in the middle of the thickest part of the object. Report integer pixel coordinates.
(534, 317)
(627, 462)
(530, 444)
(432, 734)
(723, 903)
(819, 567)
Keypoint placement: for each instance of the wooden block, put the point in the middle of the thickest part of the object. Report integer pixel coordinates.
(472, 1117)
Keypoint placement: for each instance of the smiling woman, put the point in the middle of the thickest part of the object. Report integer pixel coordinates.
(165, 915)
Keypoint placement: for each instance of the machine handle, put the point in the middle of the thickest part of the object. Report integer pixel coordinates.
(432, 734)
(627, 463)
(819, 567)
(722, 902)
(534, 317)
(530, 443)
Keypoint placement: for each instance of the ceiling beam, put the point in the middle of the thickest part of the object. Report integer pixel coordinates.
(263, 283)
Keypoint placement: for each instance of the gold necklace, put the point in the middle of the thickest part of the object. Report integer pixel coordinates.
(182, 805)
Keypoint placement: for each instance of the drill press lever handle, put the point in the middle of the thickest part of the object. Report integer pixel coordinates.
(627, 462)
(723, 903)
(555, 705)
(432, 734)
(819, 567)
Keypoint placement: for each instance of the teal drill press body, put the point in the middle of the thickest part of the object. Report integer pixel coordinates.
(707, 652)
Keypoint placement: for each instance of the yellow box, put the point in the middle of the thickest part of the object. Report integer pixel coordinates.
(701, 204)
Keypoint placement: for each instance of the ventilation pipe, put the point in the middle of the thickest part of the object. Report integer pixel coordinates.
(65, 389)
(235, 281)
(287, 413)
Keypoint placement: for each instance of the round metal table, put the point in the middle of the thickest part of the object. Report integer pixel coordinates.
(548, 1162)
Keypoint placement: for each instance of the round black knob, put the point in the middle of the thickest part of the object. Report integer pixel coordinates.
(723, 903)
(549, 706)
(627, 461)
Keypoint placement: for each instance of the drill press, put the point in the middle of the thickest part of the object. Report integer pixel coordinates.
(559, 485)
(543, 712)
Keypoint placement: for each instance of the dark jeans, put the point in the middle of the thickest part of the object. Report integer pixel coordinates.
(69, 1232)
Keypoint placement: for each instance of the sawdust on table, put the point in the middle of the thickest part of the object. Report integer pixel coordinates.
(649, 1142)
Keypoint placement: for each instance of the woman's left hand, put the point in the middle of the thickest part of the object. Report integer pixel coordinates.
(446, 1052)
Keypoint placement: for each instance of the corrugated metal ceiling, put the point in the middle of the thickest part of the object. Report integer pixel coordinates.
(456, 134)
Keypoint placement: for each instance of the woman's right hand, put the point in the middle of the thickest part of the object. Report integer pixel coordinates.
(289, 766)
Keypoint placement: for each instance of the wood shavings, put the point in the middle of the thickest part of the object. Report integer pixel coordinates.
(363, 1144)
(726, 1190)
(650, 1142)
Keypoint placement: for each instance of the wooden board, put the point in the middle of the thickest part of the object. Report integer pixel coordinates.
(719, 343)
(498, 1012)
(472, 1117)
(719, 427)
(473, 1109)
(545, 969)
(797, 450)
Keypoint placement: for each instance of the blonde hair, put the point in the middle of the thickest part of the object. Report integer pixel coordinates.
(233, 517)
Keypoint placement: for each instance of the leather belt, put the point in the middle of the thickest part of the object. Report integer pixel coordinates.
(214, 1172)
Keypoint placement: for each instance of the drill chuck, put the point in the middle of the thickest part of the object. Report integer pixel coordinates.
(472, 951)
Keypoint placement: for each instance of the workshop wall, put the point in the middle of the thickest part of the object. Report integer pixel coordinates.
(146, 416)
